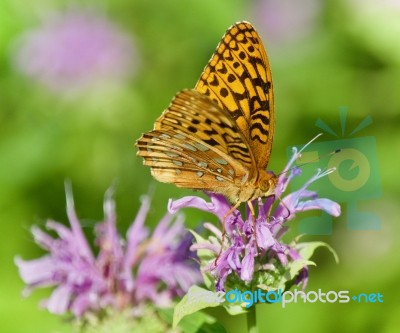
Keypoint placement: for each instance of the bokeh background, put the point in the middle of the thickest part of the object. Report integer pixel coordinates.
(79, 83)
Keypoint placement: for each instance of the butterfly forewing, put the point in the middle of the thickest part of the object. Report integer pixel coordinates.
(238, 78)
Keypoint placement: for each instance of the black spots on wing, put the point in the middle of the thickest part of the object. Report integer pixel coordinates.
(147, 136)
(256, 61)
(207, 91)
(210, 132)
(211, 142)
(231, 78)
(223, 69)
(245, 75)
(214, 82)
(251, 49)
(253, 40)
(231, 43)
(234, 47)
(195, 121)
(239, 96)
(258, 82)
(236, 114)
(256, 104)
(268, 85)
(228, 57)
(236, 64)
(224, 92)
(265, 104)
(242, 55)
(243, 39)
(192, 129)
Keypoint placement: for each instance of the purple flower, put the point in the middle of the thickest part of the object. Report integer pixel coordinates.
(125, 274)
(244, 252)
(72, 50)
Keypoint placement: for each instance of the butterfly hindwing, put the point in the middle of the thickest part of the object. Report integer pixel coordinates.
(193, 145)
(174, 162)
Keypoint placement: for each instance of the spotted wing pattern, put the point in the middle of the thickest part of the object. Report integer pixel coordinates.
(218, 136)
(238, 78)
(195, 144)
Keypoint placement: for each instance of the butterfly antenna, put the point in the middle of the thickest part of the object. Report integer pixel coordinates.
(286, 207)
(312, 161)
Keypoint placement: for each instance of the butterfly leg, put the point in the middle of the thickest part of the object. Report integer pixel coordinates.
(284, 206)
(253, 220)
(237, 204)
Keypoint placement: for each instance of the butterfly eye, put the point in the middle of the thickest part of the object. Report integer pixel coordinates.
(267, 182)
(265, 185)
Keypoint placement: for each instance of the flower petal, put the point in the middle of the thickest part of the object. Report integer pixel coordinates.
(326, 205)
(37, 271)
(59, 300)
(248, 266)
(265, 239)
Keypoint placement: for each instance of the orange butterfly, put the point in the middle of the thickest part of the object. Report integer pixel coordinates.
(218, 136)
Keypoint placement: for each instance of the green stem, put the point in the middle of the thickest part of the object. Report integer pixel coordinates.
(251, 320)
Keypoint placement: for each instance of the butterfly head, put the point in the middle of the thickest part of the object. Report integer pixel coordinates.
(267, 183)
(262, 185)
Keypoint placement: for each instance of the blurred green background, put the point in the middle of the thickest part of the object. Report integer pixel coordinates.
(80, 123)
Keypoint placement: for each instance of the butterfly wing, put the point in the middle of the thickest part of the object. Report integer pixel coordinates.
(238, 78)
(197, 145)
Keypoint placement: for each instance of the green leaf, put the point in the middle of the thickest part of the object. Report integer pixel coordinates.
(209, 280)
(195, 300)
(306, 250)
(198, 322)
(112, 321)
(204, 255)
(201, 322)
(197, 237)
(235, 309)
(296, 266)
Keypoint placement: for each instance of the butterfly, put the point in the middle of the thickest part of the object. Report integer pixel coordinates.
(218, 136)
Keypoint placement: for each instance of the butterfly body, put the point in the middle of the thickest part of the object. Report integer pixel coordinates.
(263, 185)
(218, 136)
